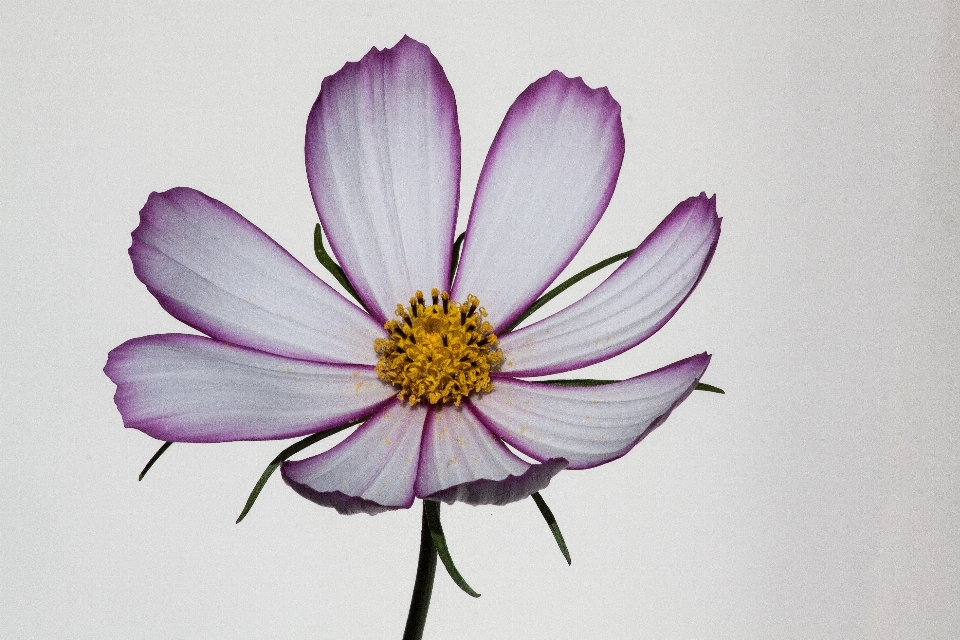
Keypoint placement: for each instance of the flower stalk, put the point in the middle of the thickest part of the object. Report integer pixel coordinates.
(423, 585)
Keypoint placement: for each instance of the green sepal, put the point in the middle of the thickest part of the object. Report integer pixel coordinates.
(432, 511)
(578, 382)
(455, 255)
(293, 449)
(708, 387)
(156, 456)
(563, 286)
(552, 523)
(586, 382)
(331, 265)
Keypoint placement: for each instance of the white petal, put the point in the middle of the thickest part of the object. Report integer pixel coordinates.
(373, 470)
(629, 306)
(212, 269)
(547, 180)
(588, 426)
(383, 160)
(193, 389)
(460, 460)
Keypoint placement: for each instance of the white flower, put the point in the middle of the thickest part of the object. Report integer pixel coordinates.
(288, 356)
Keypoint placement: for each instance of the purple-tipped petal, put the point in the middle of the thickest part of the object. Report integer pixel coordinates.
(383, 161)
(588, 426)
(547, 179)
(187, 388)
(212, 269)
(461, 461)
(501, 492)
(629, 306)
(372, 471)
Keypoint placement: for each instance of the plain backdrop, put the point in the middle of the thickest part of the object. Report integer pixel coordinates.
(818, 498)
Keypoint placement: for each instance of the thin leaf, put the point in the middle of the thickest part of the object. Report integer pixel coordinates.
(455, 255)
(293, 449)
(578, 382)
(432, 511)
(552, 523)
(156, 456)
(331, 265)
(585, 382)
(709, 387)
(563, 286)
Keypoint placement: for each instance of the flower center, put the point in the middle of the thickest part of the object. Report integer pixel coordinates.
(439, 352)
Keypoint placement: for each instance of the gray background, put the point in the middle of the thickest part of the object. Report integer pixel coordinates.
(817, 499)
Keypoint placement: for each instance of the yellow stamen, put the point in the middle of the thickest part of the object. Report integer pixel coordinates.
(440, 352)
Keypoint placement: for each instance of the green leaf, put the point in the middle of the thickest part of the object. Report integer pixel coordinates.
(709, 387)
(455, 255)
(432, 511)
(578, 382)
(560, 288)
(156, 456)
(586, 382)
(293, 449)
(330, 265)
(552, 523)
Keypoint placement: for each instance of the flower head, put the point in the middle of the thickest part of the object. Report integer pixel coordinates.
(440, 352)
(436, 374)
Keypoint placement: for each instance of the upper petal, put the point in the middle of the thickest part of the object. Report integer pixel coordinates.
(586, 425)
(214, 270)
(372, 471)
(461, 461)
(629, 306)
(187, 388)
(547, 179)
(383, 160)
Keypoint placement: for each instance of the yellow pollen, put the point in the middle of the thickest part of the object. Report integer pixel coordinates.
(438, 352)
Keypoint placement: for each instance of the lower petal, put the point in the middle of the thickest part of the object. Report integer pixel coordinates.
(186, 388)
(588, 426)
(462, 461)
(372, 471)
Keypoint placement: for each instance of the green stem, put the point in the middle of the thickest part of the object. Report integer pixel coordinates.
(423, 585)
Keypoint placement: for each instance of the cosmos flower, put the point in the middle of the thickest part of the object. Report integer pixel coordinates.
(430, 363)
